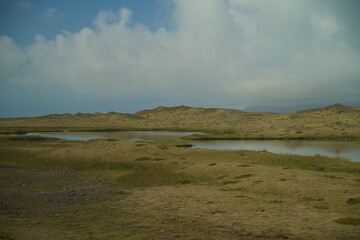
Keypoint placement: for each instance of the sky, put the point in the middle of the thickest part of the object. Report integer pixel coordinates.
(59, 56)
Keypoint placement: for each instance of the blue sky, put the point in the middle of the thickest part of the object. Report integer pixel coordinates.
(128, 55)
(23, 19)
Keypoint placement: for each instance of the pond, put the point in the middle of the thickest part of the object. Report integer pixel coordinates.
(344, 149)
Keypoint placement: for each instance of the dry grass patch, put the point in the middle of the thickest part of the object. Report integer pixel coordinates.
(122, 173)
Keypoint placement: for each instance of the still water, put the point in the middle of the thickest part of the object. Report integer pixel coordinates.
(343, 149)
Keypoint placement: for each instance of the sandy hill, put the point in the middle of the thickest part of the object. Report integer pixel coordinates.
(335, 109)
(331, 121)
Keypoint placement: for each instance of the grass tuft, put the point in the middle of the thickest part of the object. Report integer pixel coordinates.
(30, 138)
(185, 181)
(243, 176)
(140, 144)
(311, 199)
(321, 207)
(348, 220)
(223, 176)
(217, 212)
(230, 182)
(333, 177)
(142, 159)
(231, 189)
(353, 201)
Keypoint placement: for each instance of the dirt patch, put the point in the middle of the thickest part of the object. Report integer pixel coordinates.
(50, 190)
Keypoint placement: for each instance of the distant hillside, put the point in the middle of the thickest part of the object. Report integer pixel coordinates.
(335, 108)
(326, 122)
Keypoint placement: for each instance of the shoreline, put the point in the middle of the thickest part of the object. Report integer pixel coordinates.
(203, 136)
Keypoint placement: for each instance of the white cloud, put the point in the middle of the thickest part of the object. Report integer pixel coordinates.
(232, 53)
(52, 12)
(11, 59)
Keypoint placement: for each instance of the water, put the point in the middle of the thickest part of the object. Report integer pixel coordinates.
(343, 149)
(159, 136)
(347, 150)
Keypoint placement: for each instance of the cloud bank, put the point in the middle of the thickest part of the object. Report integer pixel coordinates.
(233, 54)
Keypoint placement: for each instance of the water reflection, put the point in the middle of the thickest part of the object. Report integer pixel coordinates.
(348, 150)
(160, 136)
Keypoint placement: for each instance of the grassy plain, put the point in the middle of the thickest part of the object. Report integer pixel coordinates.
(108, 189)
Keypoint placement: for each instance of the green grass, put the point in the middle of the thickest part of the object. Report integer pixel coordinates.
(275, 201)
(118, 191)
(217, 212)
(151, 175)
(166, 145)
(313, 199)
(184, 181)
(5, 236)
(244, 165)
(148, 159)
(23, 159)
(321, 207)
(231, 189)
(312, 163)
(122, 173)
(221, 177)
(111, 140)
(333, 177)
(233, 136)
(243, 176)
(230, 182)
(30, 138)
(142, 159)
(140, 144)
(353, 201)
(348, 221)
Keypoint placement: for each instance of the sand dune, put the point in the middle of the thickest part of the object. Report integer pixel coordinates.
(334, 121)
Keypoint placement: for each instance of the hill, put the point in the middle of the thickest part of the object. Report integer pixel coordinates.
(334, 121)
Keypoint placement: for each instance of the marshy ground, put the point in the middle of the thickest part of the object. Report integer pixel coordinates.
(103, 189)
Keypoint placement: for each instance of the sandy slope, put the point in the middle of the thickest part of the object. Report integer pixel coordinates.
(332, 121)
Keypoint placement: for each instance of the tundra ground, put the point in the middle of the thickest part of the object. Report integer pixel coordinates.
(129, 190)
